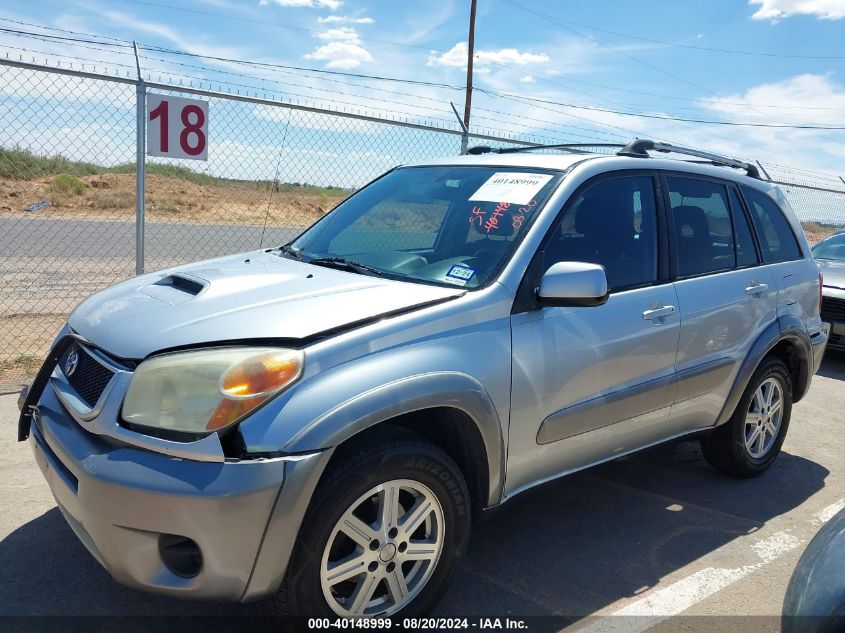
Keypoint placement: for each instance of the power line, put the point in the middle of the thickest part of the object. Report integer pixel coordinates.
(128, 44)
(569, 105)
(267, 23)
(552, 79)
(312, 70)
(58, 30)
(710, 49)
(554, 20)
(170, 51)
(453, 87)
(672, 118)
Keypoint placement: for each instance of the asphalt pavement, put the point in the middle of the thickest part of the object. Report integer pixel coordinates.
(649, 536)
(32, 237)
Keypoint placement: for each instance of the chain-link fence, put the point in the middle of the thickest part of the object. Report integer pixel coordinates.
(68, 188)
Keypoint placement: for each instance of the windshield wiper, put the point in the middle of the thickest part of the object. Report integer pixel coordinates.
(287, 249)
(345, 264)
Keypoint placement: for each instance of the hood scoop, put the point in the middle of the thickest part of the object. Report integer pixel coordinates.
(175, 289)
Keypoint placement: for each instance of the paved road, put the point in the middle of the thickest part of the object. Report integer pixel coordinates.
(33, 237)
(48, 266)
(651, 535)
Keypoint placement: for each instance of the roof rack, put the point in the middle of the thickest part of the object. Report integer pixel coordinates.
(638, 148)
(573, 148)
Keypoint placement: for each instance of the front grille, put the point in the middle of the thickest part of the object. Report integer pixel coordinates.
(90, 378)
(836, 341)
(833, 310)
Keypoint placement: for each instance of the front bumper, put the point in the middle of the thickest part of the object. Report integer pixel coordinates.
(119, 499)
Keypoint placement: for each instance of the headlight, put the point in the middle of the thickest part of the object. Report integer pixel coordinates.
(205, 391)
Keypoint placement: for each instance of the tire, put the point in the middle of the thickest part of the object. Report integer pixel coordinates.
(402, 464)
(727, 448)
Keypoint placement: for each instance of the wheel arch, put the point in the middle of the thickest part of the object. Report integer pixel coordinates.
(450, 408)
(785, 338)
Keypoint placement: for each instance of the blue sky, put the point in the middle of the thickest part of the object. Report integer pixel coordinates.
(578, 53)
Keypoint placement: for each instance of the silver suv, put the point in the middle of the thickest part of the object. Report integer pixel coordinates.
(319, 422)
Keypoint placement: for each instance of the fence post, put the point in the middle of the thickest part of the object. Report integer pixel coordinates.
(140, 158)
(464, 130)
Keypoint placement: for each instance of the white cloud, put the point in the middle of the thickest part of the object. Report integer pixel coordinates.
(340, 34)
(344, 49)
(804, 95)
(341, 55)
(344, 19)
(334, 5)
(511, 56)
(778, 9)
(528, 79)
(456, 57)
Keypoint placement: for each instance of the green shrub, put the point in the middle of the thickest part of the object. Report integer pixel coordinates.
(65, 183)
(22, 164)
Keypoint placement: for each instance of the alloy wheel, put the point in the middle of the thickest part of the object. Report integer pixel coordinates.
(383, 550)
(763, 419)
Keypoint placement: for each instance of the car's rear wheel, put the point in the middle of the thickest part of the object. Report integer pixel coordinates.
(387, 524)
(751, 440)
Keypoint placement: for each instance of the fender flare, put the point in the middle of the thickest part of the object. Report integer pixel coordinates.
(785, 328)
(414, 393)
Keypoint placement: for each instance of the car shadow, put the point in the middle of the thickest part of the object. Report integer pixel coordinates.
(833, 365)
(567, 548)
(579, 544)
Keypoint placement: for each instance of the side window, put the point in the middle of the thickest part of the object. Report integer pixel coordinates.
(745, 253)
(613, 223)
(703, 233)
(777, 241)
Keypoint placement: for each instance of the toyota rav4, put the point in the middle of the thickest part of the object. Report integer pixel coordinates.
(320, 422)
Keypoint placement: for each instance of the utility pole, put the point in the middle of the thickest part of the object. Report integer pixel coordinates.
(470, 54)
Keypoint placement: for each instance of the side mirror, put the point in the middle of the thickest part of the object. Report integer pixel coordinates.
(573, 284)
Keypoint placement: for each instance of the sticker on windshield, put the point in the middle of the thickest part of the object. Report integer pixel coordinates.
(515, 187)
(459, 274)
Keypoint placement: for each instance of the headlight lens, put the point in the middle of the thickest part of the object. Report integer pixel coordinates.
(208, 390)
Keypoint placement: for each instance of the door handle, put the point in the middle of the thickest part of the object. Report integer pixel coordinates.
(658, 313)
(756, 289)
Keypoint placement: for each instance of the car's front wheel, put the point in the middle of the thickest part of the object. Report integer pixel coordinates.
(388, 523)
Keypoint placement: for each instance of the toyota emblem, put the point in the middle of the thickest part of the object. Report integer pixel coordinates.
(71, 363)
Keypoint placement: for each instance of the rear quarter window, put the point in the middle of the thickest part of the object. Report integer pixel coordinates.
(777, 241)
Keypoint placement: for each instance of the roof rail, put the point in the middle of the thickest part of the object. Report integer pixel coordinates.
(573, 148)
(639, 148)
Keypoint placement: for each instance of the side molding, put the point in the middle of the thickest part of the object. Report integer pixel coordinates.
(414, 393)
(606, 410)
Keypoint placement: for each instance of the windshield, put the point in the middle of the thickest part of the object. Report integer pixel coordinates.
(454, 226)
(831, 248)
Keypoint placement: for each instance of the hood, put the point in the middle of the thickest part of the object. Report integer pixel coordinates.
(249, 296)
(833, 271)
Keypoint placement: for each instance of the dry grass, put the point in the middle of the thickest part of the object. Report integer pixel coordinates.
(816, 231)
(170, 198)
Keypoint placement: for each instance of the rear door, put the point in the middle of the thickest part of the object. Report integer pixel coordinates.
(796, 281)
(590, 383)
(726, 296)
